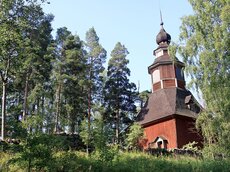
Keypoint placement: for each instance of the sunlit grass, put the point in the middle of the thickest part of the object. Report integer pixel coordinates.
(122, 161)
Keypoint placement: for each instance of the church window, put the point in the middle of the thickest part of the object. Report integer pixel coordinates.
(156, 76)
(179, 74)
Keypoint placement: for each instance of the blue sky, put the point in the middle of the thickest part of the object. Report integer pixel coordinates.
(134, 23)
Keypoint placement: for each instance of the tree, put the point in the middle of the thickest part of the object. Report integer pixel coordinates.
(120, 93)
(9, 48)
(69, 77)
(96, 56)
(58, 72)
(205, 48)
(36, 65)
(75, 78)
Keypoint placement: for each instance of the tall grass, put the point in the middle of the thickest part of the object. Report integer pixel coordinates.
(123, 161)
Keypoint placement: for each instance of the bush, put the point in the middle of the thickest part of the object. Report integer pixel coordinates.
(107, 154)
(36, 153)
(4, 159)
(136, 133)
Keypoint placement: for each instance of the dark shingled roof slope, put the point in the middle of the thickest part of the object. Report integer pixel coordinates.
(166, 102)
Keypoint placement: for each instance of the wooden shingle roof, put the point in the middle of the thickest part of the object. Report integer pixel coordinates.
(165, 103)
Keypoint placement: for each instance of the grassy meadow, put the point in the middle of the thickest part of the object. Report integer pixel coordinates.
(72, 161)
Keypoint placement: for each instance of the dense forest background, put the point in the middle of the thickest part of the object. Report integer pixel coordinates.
(61, 84)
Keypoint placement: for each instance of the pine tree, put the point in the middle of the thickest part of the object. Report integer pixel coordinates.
(58, 72)
(75, 71)
(205, 48)
(96, 56)
(69, 78)
(120, 93)
(36, 66)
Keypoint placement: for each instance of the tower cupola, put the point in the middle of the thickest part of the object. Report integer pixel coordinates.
(163, 36)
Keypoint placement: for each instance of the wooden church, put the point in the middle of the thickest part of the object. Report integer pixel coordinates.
(169, 115)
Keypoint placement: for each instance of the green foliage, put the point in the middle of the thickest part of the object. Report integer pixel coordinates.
(33, 123)
(106, 154)
(68, 81)
(205, 48)
(98, 139)
(173, 49)
(4, 159)
(100, 133)
(36, 153)
(84, 132)
(191, 146)
(10, 44)
(67, 161)
(96, 57)
(136, 133)
(142, 99)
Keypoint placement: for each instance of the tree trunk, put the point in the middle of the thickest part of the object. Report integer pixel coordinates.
(39, 125)
(58, 100)
(117, 126)
(89, 107)
(72, 126)
(117, 118)
(4, 78)
(89, 117)
(24, 113)
(3, 110)
(42, 110)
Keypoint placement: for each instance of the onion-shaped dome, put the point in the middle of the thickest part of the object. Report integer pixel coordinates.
(163, 36)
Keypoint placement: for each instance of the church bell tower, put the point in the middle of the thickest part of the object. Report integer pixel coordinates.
(168, 117)
(165, 72)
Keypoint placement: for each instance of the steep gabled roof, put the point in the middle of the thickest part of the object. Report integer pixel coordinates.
(167, 102)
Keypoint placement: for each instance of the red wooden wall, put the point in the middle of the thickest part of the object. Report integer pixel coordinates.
(167, 71)
(167, 129)
(186, 132)
(177, 131)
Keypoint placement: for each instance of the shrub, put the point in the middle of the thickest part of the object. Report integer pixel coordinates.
(36, 153)
(136, 133)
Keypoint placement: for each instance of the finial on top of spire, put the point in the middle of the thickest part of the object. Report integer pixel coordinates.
(161, 18)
